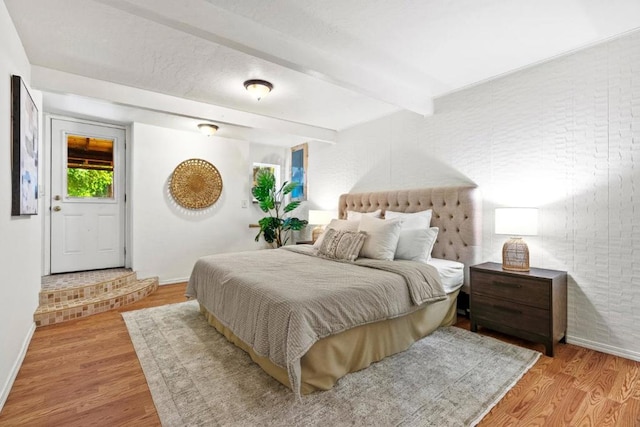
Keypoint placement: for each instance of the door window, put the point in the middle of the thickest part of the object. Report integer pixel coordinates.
(89, 167)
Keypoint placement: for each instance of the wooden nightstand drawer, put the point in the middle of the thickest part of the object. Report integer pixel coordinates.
(487, 310)
(518, 289)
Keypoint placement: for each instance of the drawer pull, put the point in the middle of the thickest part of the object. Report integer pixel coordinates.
(507, 309)
(507, 285)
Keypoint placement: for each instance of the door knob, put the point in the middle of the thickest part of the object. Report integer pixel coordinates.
(57, 208)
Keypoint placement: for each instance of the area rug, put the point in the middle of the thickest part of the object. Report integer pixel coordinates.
(451, 378)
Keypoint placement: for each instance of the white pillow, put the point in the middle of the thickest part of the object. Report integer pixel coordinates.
(420, 219)
(337, 224)
(356, 216)
(411, 239)
(382, 237)
(416, 244)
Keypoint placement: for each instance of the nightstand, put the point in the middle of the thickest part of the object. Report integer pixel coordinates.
(530, 305)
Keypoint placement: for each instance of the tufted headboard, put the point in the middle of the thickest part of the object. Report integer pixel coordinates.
(457, 212)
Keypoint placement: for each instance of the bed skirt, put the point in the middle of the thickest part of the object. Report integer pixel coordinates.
(333, 357)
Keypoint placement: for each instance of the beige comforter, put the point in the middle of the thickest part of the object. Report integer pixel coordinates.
(281, 301)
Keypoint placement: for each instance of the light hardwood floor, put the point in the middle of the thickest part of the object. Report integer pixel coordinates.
(86, 372)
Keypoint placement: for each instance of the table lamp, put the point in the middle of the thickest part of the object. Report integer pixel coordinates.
(516, 222)
(319, 219)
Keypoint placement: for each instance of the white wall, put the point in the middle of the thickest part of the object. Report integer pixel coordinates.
(19, 236)
(563, 136)
(166, 238)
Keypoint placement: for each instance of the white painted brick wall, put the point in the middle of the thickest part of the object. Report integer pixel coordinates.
(563, 136)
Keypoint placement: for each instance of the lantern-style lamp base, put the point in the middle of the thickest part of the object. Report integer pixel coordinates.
(515, 255)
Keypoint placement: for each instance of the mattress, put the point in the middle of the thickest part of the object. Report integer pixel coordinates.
(451, 273)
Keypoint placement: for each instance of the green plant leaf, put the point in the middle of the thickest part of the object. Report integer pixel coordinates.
(294, 224)
(291, 206)
(269, 222)
(267, 205)
(288, 188)
(260, 193)
(269, 235)
(264, 178)
(269, 228)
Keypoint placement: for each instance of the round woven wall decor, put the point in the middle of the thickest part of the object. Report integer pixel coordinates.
(195, 184)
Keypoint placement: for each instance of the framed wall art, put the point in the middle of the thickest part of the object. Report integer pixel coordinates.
(24, 166)
(299, 171)
(274, 169)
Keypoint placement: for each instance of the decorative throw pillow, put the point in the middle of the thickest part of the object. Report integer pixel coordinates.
(344, 245)
(416, 244)
(337, 224)
(420, 219)
(382, 237)
(356, 216)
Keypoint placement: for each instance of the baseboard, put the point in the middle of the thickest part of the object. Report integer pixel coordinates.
(616, 351)
(6, 389)
(173, 281)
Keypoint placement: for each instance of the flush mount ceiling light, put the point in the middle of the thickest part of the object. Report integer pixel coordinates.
(258, 88)
(207, 128)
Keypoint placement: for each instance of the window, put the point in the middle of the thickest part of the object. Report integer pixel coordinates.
(89, 167)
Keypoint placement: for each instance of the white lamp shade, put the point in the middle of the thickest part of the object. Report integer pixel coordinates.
(318, 217)
(516, 221)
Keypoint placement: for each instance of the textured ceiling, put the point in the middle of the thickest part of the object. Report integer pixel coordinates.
(333, 63)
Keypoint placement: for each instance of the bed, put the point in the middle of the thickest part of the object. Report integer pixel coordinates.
(329, 318)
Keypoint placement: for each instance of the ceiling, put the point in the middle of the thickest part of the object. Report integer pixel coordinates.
(333, 63)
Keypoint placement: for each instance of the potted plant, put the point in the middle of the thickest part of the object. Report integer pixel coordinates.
(275, 228)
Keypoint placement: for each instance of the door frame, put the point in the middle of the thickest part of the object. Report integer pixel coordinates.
(45, 192)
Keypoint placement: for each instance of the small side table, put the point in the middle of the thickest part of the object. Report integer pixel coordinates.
(530, 305)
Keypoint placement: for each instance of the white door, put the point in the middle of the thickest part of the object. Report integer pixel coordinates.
(87, 196)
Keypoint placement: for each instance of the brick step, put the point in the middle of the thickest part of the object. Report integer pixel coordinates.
(60, 288)
(58, 312)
